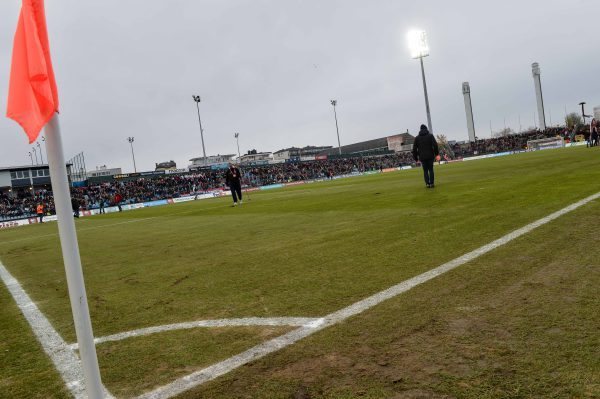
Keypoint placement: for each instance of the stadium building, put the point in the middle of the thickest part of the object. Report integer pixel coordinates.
(385, 145)
(168, 165)
(294, 154)
(104, 171)
(211, 160)
(256, 158)
(33, 177)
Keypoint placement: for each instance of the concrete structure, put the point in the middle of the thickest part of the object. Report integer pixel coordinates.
(597, 113)
(466, 89)
(535, 69)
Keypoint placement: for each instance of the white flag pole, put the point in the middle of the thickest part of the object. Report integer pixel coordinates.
(72, 260)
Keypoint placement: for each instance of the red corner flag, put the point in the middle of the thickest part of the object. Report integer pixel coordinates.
(32, 94)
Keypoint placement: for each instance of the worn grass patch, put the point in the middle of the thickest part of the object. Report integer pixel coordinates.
(313, 249)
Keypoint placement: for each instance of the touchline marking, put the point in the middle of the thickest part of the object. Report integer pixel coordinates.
(248, 321)
(216, 370)
(65, 360)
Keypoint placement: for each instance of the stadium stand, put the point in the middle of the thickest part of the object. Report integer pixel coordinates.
(21, 203)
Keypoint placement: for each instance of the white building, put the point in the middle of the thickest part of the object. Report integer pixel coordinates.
(211, 160)
(104, 171)
(307, 153)
(254, 157)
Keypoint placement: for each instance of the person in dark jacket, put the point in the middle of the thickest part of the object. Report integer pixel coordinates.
(425, 150)
(75, 206)
(233, 179)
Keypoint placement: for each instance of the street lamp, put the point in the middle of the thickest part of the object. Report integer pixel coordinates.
(419, 48)
(197, 100)
(31, 157)
(35, 154)
(334, 103)
(131, 139)
(237, 139)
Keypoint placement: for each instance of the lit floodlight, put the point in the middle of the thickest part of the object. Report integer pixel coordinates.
(417, 43)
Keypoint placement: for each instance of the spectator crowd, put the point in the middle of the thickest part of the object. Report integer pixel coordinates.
(17, 204)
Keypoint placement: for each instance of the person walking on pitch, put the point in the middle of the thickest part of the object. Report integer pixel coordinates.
(425, 150)
(39, 210)
(233, 179)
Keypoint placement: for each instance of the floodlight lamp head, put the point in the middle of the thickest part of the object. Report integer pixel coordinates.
(334, 102)
(236, 135)
(535, 69)
(417, 43)
(466, 88)
(196, 98)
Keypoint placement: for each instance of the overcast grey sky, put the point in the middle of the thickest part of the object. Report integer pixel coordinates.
(268, 69)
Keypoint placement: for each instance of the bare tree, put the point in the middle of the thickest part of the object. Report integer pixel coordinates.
(573, 120)
(444, 146)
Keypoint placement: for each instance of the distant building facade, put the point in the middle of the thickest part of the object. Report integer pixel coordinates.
(104, 171)
(385, 145)
(168, 165)
(34, 177)
(256, 158)
(294, 153)
(211, 160)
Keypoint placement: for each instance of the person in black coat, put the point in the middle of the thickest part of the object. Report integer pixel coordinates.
(425, 150)
(233, 179)
(75, 206)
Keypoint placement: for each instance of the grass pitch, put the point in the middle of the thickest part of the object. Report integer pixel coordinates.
(521, 321)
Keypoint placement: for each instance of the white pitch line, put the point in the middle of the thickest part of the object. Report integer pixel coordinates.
(242, 322)
(65, 360)
(216, 370)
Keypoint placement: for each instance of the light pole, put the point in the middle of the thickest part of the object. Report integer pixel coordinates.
(131, 139)
(197, 100)
(41, 155)
(35, 154)
(334, 103)
(419, 48)
(237, 139)
(31, 157)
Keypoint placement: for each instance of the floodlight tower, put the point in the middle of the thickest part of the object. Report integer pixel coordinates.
(334, 103)
(469, 110)
(131, 139)
(197, 100)
(419, 48)
(35, 154)
(535, 68)
(237, 139)
(39, 146)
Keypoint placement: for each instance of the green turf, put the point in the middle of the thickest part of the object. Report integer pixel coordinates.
(303, 251)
